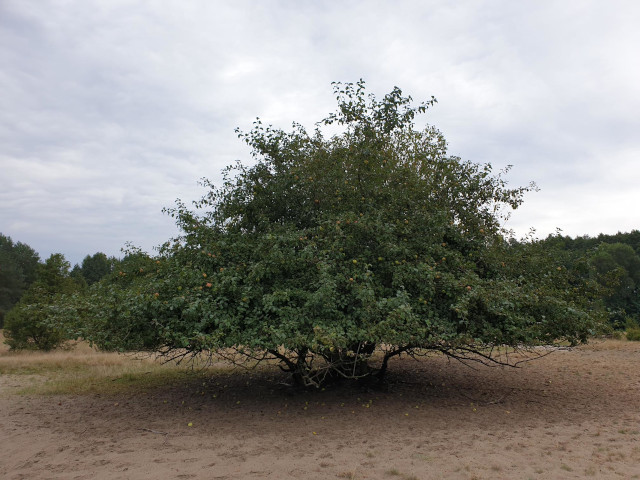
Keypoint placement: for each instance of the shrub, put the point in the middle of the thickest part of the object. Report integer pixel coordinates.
(27, 325)
(633, 334)
(32, 323)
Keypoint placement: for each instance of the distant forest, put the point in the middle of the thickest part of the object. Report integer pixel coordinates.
(21, 268)
(616, 261)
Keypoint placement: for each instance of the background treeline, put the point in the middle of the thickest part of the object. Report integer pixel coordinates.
(616, 263)
(34, 293)
(26, 279)
(18, 266)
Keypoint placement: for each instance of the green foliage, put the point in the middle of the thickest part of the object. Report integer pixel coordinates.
(632, 330)
(326, 249)
(113, 314)
(18, 263)
(633, 334)
(614, 260)
(619, 269)
(95, 267)
(585, 243)
(31, 323)
(27, 326)
(12, 283)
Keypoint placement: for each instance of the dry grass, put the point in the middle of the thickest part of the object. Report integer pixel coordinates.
(84, 370)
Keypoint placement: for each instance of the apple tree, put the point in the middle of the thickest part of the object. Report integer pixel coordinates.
(333, 254)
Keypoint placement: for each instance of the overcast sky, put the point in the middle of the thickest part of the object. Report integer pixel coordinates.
(110, 110)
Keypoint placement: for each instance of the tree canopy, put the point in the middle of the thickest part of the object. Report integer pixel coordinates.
(32, 322)
(324, 250)
(95, 267)
(18, 264)
(620, 265)
(616, 266)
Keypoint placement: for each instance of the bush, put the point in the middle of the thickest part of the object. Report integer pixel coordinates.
(633, 334)
(32, 323)
(632, 330)
(27, 324)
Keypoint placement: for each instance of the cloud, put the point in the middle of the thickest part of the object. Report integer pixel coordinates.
(112, 109)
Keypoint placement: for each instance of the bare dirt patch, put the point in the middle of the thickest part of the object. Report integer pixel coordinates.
(572, 414)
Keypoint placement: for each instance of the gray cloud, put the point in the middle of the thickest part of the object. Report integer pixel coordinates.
(112, 109)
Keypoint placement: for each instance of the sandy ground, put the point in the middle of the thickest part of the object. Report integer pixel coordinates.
(569, 415)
